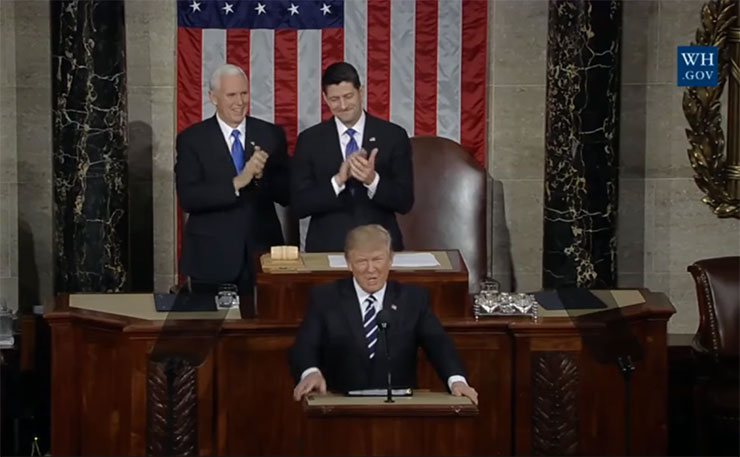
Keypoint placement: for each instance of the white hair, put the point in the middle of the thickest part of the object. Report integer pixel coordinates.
(226, 69)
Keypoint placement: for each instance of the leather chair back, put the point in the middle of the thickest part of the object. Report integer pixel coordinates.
(718, 293)
(449, 209)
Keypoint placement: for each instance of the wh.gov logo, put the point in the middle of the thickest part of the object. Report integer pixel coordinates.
(697, 65)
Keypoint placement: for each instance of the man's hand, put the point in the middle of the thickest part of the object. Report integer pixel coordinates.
(460, 389)
(252, 169)
(312, 382)
(260, 165)
(343, 174)
(361, 168)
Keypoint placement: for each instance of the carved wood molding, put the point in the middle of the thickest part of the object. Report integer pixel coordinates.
(172, 405)
(716, 173)
(555, 423)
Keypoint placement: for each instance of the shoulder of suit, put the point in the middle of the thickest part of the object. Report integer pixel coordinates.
(407, 290)
(198, 128)
(319, 129)
(329, 288)
(260, 123)
(389, 126)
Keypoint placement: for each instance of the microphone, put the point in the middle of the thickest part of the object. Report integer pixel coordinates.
(383, 320)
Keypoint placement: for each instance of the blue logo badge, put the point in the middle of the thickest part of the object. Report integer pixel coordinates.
(697, 65)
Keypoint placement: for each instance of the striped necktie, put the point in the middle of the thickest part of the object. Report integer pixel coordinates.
(371, 327)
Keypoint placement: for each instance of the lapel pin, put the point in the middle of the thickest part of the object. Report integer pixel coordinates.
(252, 143)
(372, 139)
(394, 307)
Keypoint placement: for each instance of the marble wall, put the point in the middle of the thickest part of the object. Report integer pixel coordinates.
(26, 261)
(516, 137)
(672, 228)
(8, 160)
(151, 60)
(90, 164)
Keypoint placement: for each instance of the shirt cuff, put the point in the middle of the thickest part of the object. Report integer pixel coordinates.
(337, 187)
(450, 381)
(373, 186)
(308, 371)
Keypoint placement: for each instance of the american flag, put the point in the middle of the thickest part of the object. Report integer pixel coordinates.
(422, 63)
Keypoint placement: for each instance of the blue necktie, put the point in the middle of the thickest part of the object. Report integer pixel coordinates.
(352, 145)
(237, 152)
(370, 326)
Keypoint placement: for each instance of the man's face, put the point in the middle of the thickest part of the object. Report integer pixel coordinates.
(344, 101)
(370, 267)
(231, 99)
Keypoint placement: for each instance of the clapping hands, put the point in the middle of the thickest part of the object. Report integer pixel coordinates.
(360, 166)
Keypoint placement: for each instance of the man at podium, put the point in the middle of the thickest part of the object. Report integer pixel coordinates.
(339, 345)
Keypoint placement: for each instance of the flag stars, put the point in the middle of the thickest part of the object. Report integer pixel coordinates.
(228, 8)
(326, 9)
(260, 8)
(195, 6)
(293, 9)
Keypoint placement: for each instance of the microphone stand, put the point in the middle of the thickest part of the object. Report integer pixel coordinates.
(626, 367)
(383, 327)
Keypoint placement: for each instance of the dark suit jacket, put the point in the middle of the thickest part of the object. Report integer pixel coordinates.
(331, 338)
(318, 157)
(224, 231)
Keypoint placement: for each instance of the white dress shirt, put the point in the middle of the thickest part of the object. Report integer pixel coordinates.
(226, 130)
(344, 138)
(379, 296)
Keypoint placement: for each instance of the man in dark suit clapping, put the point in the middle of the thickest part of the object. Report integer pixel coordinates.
(352, 169)
(337, 345)
(230, 169)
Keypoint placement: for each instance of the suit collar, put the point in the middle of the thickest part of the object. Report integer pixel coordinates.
(226, 129)
(222, 152)
(369, 135)
(351, 309)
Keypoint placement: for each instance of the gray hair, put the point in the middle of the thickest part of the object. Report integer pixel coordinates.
(226, 69)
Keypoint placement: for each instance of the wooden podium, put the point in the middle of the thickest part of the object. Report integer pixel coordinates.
(418, 425)
(130, 381)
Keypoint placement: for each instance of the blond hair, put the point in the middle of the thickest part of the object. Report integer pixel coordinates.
(367, 236)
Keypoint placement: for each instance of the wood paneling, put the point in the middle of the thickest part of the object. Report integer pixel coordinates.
(101, 363)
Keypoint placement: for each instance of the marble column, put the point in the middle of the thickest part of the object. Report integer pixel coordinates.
(90, 143)
(581, 137)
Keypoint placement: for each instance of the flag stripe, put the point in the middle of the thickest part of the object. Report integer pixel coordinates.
(214, 55)
(262, 60)
(425, 90)
(402, 65)
(332, 50)
(309, 71)
(473, 78)
(188, 98)
(237, 48)
(448, 70)
(286, 83)
(378, 57)
(188, 77)
(355, 38)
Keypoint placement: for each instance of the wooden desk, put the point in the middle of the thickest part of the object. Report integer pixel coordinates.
(546, 387)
